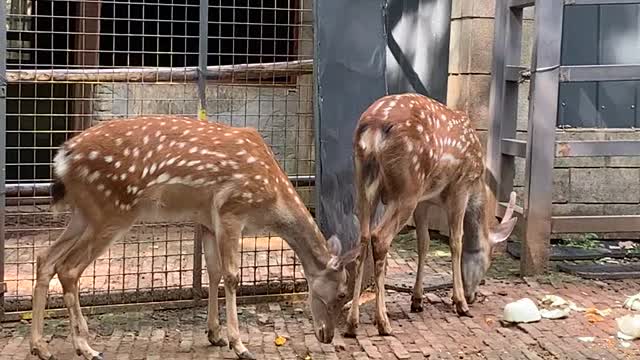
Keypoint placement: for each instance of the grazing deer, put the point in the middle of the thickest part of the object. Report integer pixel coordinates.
(412, 152)
(177, 168)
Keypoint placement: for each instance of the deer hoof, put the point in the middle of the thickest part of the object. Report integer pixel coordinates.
(246, 355)
(41, 355)
(100, 356)
(350, 332)
(416, 305)
(384, 328)
(216, 342)
(463, 312)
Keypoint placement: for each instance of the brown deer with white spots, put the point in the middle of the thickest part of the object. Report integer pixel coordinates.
(155, 168)
(412, 152)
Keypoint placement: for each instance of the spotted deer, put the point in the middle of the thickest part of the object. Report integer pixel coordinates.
(180, 169)
(411, 152)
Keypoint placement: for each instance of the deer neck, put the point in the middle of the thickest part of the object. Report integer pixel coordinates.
(304, 237)
(476, 226)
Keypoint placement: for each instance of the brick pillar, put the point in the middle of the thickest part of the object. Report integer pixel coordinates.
(470, 54)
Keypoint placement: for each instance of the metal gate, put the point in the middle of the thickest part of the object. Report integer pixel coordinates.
(72, 64)
(547, 73)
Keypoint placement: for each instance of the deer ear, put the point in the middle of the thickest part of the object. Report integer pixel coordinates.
(335, 247)
(501, 232)
(350, 256)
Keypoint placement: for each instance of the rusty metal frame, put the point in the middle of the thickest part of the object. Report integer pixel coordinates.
(3, 131)
(541, 149)
(276, 283)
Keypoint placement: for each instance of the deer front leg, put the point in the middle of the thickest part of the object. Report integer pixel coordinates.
(212, 258)
(421, 220)
(364, 218)
(228, 238)
(354, 312)
(455, 214)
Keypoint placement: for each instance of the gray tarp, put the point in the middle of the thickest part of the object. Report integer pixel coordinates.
(350, 48)
(351, 54)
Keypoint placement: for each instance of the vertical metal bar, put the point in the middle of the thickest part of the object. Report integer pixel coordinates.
(543, 111)
(510, 103)
(203, 51)
(496, 96)
(3, 134)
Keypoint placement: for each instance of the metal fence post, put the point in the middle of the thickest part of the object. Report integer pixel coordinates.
(203, 51)
(3, 134)
(543, 114)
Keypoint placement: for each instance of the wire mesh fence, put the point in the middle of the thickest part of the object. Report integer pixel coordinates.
(72, 64)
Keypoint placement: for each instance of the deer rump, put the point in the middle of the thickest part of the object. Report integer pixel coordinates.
(381, 159)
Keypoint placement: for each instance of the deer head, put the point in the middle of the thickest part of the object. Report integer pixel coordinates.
(481, 234)
(328, 290)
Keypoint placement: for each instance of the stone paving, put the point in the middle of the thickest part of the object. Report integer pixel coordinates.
(436, 333)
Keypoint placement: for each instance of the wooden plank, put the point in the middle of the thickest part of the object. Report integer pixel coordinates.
(514, 147)
(598, 148)
(596, 224)
(241, 72)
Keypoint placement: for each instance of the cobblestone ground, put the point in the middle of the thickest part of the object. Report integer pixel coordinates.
(436, 333)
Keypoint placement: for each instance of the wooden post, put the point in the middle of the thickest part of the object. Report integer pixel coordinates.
(86, 48)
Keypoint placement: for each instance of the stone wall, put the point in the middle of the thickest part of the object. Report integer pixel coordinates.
(275, 111)
(582, 186)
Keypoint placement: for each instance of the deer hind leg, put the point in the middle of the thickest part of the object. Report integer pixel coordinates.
(421, 219)
(45, 270)
(69, 270)
(395, 216)
(364, 217)
(456, 208)
(212, 258)
(228, 230)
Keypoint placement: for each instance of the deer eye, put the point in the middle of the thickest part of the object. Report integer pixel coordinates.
(341, 296)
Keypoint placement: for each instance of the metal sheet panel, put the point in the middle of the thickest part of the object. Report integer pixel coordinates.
(580, 35)
(350, 47)
(578, 105)
(418, 46)
(616, 100)
(619, 38)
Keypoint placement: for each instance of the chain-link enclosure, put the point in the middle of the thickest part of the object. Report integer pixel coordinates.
(72, 64)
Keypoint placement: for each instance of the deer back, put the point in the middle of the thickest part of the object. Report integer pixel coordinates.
(414, 144)
(123, 162)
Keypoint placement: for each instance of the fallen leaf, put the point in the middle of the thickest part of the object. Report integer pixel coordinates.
(610, 342)
(279, 341)
(593, 310)
(593, 318)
